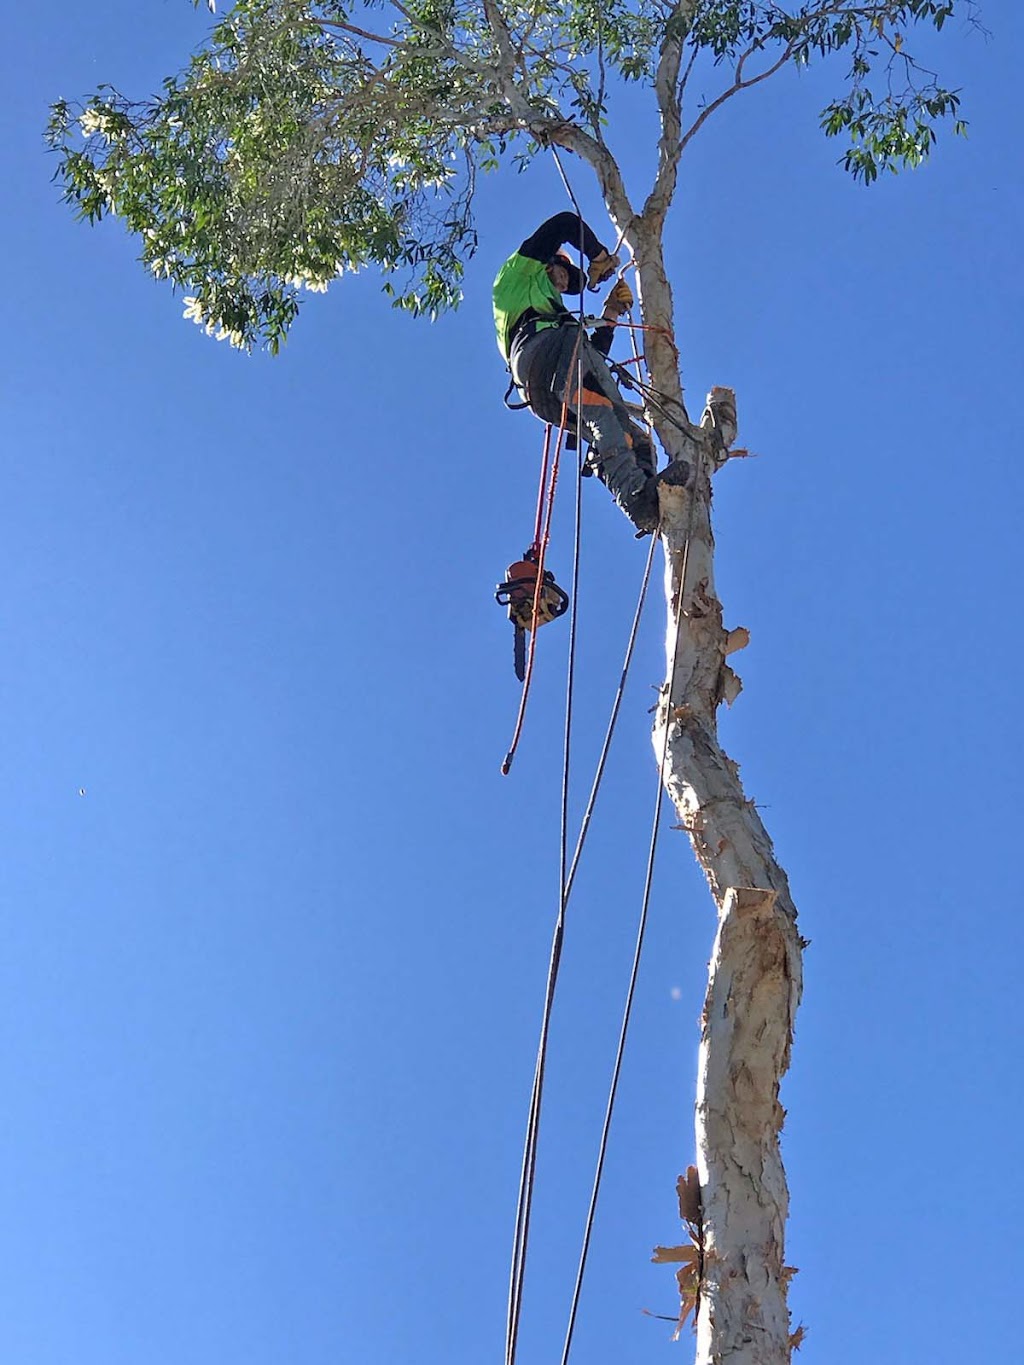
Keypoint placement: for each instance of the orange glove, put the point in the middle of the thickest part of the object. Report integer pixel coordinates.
(600, 268)
(620, 300)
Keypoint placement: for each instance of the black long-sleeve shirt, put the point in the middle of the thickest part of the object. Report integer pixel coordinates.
(564, 229)
(523, 291)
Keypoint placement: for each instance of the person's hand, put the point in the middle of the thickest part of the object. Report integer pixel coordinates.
(620, 300)
(600, 268)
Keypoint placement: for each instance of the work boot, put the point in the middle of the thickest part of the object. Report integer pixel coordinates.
(644, 507)
(676, 474)
(632, 489)
(635, 491)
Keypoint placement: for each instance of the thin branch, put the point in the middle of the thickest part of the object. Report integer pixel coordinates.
(359, 32)
(735, 88)
(602, 80)
(681, 88)
(756, 47)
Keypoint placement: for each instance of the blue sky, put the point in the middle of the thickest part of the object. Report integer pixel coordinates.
(276, 930)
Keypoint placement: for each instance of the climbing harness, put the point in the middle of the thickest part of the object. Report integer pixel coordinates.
(530, 603)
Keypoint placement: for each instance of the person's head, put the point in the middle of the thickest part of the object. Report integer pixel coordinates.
(566, 277)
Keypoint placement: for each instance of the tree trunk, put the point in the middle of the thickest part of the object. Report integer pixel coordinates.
(755, 971)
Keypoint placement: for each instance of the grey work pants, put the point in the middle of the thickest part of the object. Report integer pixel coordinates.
(547, 369)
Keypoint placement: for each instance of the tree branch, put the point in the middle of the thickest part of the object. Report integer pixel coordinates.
(596, 154)
(359, 32)
(668, 90)
(686, 74)
(502, 41)
(734, 89)
(602, 81)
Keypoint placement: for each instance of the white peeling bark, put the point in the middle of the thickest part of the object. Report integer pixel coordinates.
(746, 1030)
(755, 970)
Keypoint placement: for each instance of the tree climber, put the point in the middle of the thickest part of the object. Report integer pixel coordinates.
(544, 346)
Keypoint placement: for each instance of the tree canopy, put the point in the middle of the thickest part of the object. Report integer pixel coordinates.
(306, 138)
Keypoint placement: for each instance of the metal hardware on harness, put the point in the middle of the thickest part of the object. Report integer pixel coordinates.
(518, 593)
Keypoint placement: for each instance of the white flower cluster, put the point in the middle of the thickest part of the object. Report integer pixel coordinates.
(97, 121)
(194, 311)
(315, 284)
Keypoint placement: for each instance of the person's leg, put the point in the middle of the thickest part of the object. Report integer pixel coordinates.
(643, 451)
(606, 460)
(535, 366)
(548, 369)
(624, 463)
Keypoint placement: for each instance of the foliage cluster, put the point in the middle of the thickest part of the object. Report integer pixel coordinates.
(310, 137)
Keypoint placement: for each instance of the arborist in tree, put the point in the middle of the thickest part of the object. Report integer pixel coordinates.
(544, 346)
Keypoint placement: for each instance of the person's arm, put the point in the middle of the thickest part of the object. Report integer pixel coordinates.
(601, 338)
(564, 229)
(619, 301)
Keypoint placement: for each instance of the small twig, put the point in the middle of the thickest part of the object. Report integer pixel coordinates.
(686, 74)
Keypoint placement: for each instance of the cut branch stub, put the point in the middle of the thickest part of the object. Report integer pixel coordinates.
(688, 1190)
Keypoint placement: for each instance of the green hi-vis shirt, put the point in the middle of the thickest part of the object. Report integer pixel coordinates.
(521, 286)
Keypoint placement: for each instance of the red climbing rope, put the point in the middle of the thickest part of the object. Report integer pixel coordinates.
(540, 545)
(535, 543)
